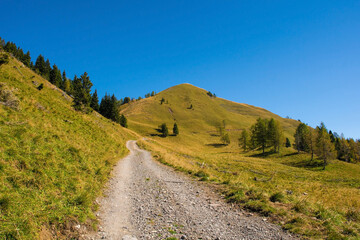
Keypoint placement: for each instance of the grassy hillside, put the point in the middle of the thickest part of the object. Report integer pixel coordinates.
(54, 161)
(285, 187)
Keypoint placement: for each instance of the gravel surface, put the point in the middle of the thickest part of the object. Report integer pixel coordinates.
(147, 200)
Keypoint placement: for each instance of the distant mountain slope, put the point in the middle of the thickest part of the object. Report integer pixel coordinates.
(53, 160)
(206, 112)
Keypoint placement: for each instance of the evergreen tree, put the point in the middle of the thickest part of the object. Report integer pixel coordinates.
(123, 121)
(126, 100)
(310, 136)
(225, 138)
(46, 74)
(244, 140)
(55, 76)
(287, 143)
(105, 106)
(324, 147)
(82, 87)
(66, 84)
(164, 130)
(40, 64)
(274, 134)
(300, 138)
(152, 93)
(94, 104)
(162, 100)
(175, 129)
(27, 59)
(260, 133)
(114, 111)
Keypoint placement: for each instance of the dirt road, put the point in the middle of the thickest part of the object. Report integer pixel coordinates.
(147, 200)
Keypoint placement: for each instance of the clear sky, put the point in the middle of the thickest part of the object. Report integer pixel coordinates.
(295, 58)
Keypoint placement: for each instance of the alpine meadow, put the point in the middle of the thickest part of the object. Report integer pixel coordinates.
(179, 120)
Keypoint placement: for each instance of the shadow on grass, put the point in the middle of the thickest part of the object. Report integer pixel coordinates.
(314, 165)
(216, 145)
(263, 155)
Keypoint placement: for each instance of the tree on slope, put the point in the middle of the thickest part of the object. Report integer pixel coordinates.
(82, 97)
(164, 130)
(244, 140)
(274, 134)
(175, 129)
(300, 137)
(123, 121)
(55, 76)
(260, 133)
(94, 104)
(324, 147)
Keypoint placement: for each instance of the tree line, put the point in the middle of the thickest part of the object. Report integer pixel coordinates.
(79, 87)
(325, 144)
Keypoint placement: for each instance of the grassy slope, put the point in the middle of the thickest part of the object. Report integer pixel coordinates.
(53, 160)
(315, 203)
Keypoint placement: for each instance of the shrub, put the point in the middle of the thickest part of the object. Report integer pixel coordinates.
(277, 197)
(40, 87)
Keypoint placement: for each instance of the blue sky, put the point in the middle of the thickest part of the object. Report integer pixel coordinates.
(295, 58)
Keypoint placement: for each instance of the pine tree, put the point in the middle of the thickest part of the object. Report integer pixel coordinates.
(244, 140)
(105, 106)
(55, 76)
(274, 134)
(46, 74)
(300, 138)
(324, 147)
(175, 129)
(225, 138)
(123, 121)
(164, 130)
(94, 104)
(114, 111)
(40, 64)
(152, 93)
(260, 133)
(66, 84)
(287, 143)
(82, 97)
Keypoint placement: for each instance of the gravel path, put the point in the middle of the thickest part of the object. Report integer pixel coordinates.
(147, 200)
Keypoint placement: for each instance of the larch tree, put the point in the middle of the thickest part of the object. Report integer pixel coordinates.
(175, 129)
(324, 148)
(274, 134)
(244, 140)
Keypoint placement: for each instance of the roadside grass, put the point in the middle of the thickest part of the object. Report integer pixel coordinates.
(54, 161)
(313, 203)
(287, 188)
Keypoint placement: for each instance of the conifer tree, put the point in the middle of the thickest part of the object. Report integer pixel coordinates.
(324, 147)
(40, 64)
(164, 130)
(175, 129)
(46, 74)
(300, 138)
(244, 140)
(82, 87)
(287, 143)
(66, 84)
(274, 134)
(123, 121)
(260, 133)
(114, 111)
(225, 138)
(55, 76)
(94, 104)
(105, 106)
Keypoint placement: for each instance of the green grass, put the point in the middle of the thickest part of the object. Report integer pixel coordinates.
(286, 187)
(54, 161)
